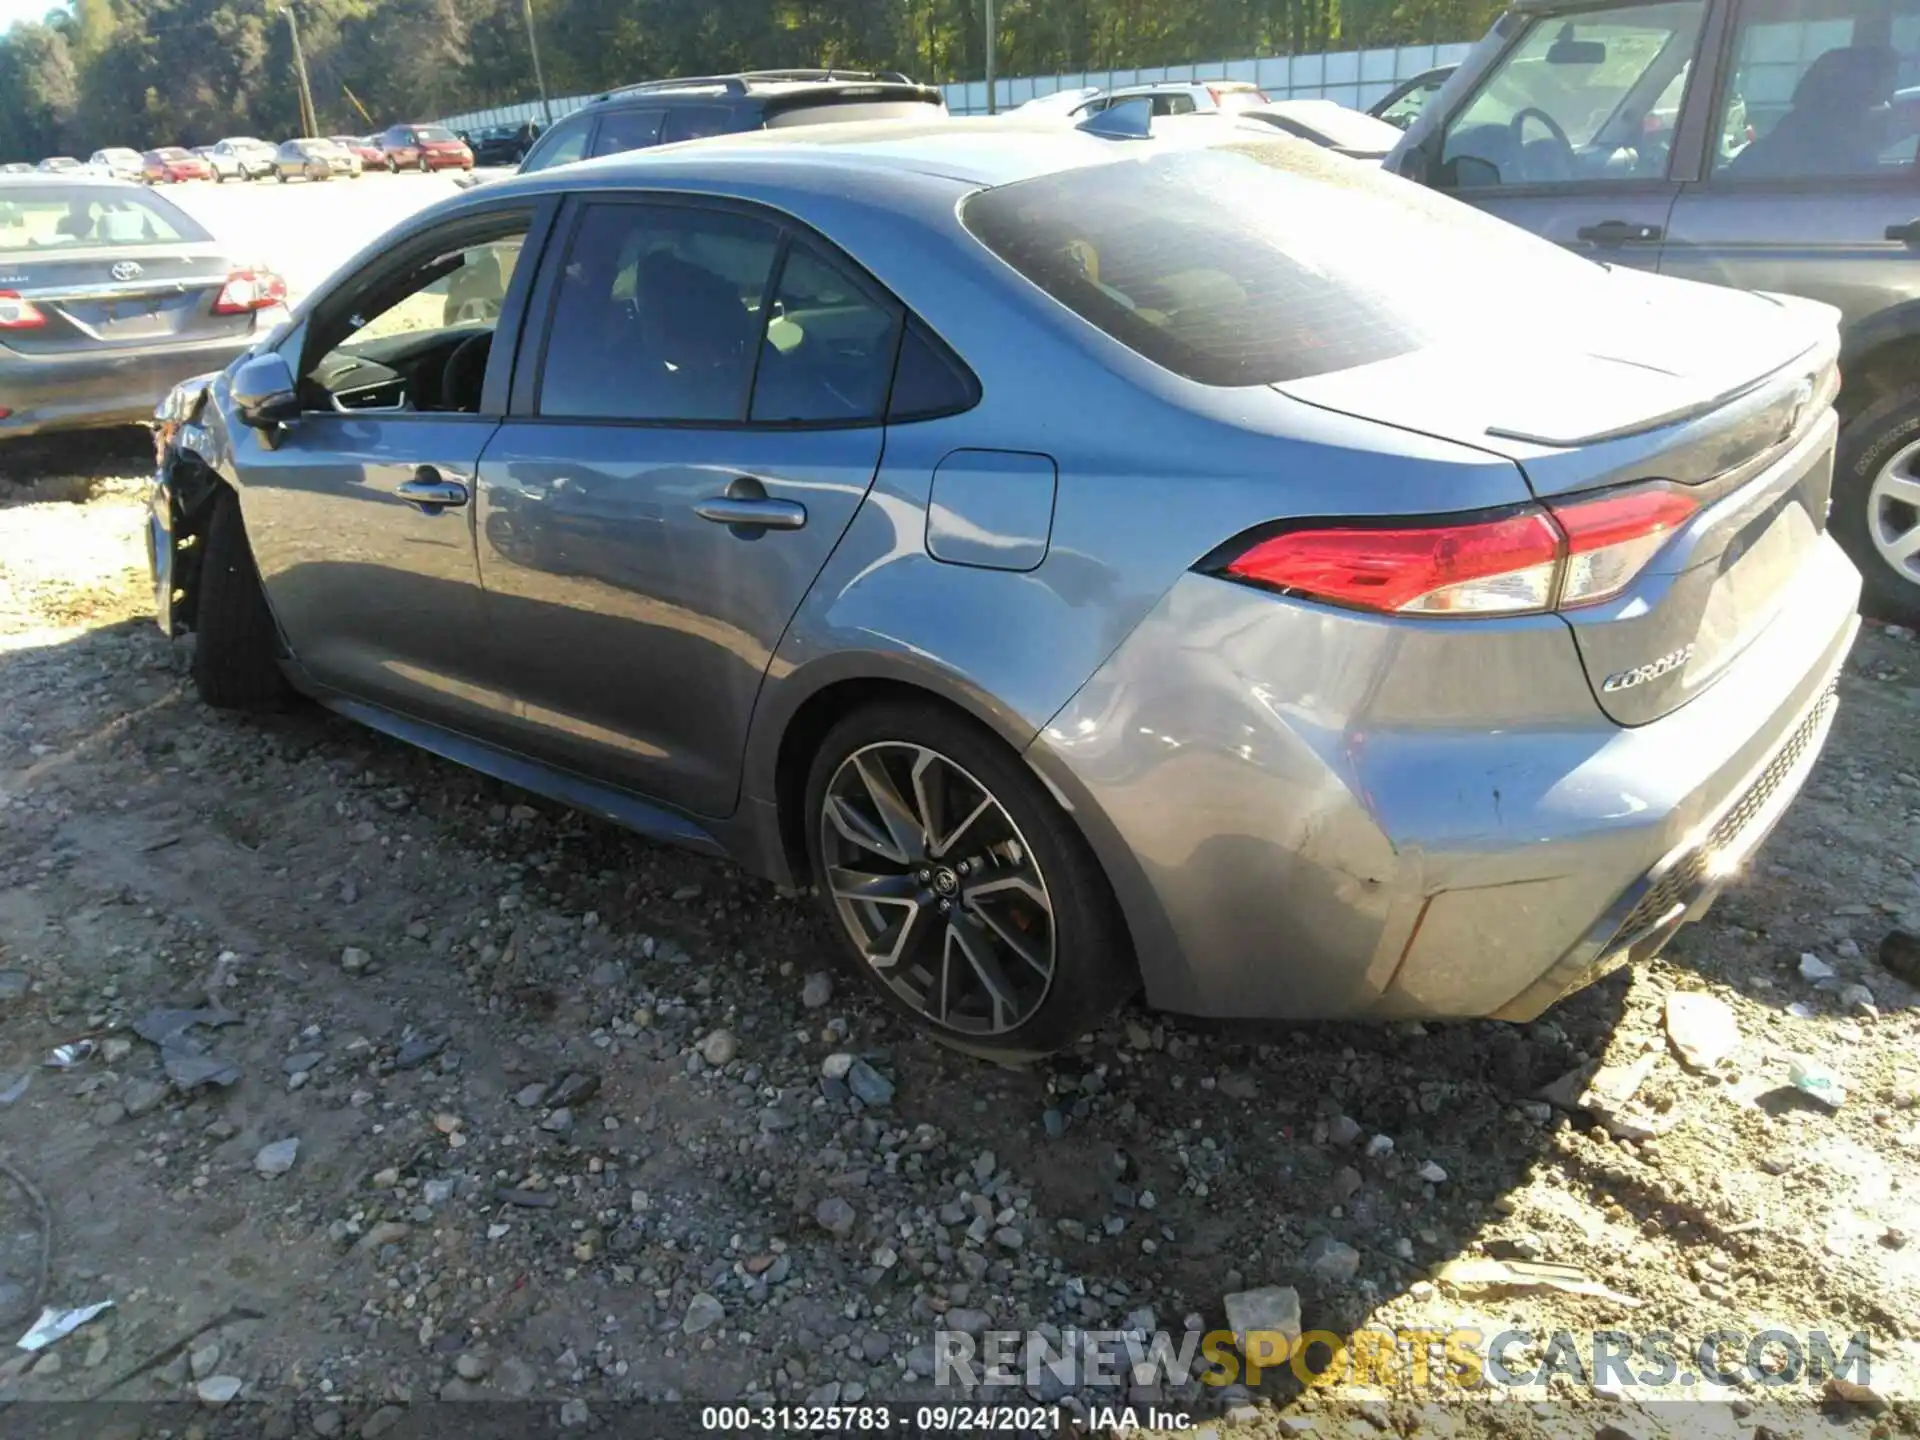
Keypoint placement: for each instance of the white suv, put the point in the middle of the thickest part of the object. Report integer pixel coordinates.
(1179, 97)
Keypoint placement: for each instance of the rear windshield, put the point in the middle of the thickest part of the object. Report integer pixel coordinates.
(73, 218)
(171, 152)
(433, 132)
(1265, 261)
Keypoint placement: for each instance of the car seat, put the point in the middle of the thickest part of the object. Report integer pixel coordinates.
(1832, 127)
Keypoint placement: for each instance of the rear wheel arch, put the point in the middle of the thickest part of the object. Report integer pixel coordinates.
(815, 717)
(1878, 356)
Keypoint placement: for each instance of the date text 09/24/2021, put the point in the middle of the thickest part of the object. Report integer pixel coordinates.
(918, 1420)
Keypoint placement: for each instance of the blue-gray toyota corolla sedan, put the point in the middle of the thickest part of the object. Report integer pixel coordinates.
(1088, 562)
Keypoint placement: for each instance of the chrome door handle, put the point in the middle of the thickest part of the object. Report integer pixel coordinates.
(760, 513)
(431, 491)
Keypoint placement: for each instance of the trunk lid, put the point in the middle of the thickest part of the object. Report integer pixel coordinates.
(1724, 394)
(109, 297)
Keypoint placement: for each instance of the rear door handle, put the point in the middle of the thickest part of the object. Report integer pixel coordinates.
(431, 490)
(1908, 233)
(757, 512)
(1618, 232)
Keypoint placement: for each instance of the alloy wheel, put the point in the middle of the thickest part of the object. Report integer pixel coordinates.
(1893, 512)
(937, 888)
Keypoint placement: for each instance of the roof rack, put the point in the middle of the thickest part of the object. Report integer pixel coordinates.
(740, 82)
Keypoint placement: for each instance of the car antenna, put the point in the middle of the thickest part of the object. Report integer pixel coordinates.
(1130, 119)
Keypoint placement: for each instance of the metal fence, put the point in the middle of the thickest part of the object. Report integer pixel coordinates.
(1357, 78)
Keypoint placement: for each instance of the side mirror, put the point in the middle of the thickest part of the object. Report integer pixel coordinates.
(264, 392)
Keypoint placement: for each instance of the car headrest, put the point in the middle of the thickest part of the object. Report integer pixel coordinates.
(1849, 77)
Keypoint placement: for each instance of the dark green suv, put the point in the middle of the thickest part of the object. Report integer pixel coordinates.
(1765, 144)
(661, 112)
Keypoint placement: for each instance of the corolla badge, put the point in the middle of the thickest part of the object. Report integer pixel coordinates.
(1652, 670)
(127, 270)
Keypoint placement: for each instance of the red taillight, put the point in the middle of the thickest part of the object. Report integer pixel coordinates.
(1525, 561)
(1482, 567)
(1612, 537)
(18, 314)
(248, 290)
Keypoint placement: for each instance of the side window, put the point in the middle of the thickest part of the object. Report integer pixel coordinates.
(416, 337)
(1576, 100)
(627, 130)
(658, 315)
(695, 122)
(562, 145)
(828, 353)
(929, 380)
(1175, 104)
(1821, 89)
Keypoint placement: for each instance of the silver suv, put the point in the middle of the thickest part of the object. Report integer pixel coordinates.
(1770, 145)
(1180, 97)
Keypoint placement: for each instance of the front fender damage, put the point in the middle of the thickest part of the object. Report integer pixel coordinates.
(185, 481)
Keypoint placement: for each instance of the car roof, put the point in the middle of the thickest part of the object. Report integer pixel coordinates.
(977, 151)
(751, 83)
(1213, 84)
(83, 178)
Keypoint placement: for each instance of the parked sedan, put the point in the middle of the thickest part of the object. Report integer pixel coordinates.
(256, 158)
(59, 164)
(112, 295)
(225, 166)
(16, 167)
(170, 165)
(311, 160)
(1086, 565)
(363, 150)
(117, 162)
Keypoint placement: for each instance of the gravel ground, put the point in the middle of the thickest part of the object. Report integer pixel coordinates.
(574, 1122)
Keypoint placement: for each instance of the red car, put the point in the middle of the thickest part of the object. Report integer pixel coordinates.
(424, 147)
(170, 164)
(371, 155)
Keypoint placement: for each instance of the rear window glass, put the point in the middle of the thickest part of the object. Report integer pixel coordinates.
(433, 132)
(75, 218)
(1265, 261)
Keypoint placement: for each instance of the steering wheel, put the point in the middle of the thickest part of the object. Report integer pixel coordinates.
(1563, 161)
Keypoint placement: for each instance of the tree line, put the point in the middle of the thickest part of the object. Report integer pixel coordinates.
(163, 72)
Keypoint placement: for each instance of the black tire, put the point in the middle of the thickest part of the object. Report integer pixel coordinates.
(424, 167)
(1867, 443)
(237, 646)
(283, 177)
(1092, 960)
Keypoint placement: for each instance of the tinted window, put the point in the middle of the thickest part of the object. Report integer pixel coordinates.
(658, 315)
(1264, 261)
(1822, 88)
(929, 380)
(829, 347)
(1175, 103)
(693, 122)
(627, 130)
(562, 145)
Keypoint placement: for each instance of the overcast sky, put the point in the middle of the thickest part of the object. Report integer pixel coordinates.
(12, 10)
